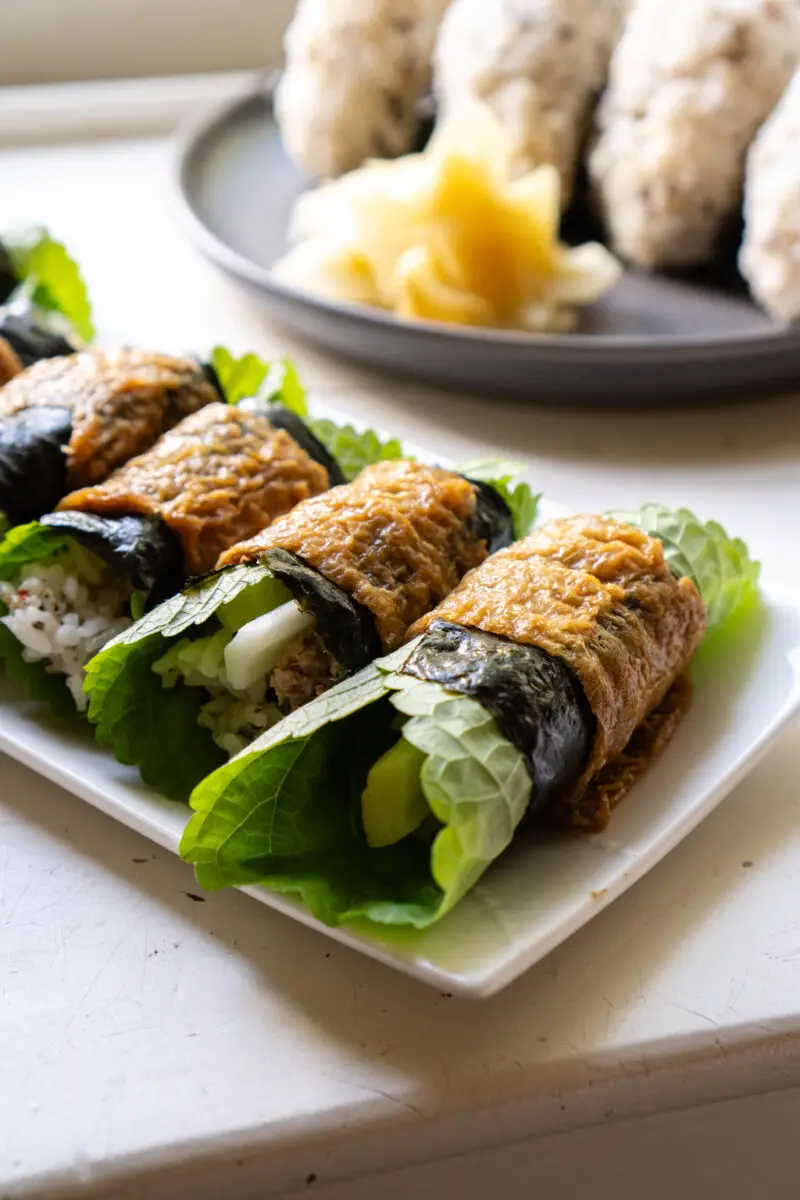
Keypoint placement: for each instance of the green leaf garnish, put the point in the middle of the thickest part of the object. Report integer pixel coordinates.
(26, 544)
(476, 784)
(282, 813)
(39, 685)
(50, 278)
(284, 387)
(720, 566)
(138, 602)
(353, 450)
(147, 726)
(251, 377)
(240, 378)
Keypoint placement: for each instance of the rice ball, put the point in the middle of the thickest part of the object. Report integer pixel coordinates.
(690, 83)
(537, 63)
(770, 257)
(355, 72)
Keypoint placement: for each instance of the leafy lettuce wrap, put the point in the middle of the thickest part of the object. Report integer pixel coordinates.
(539, 690)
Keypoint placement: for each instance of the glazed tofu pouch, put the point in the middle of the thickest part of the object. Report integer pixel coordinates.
(307, 602)
(68, 421)
(75, 579)
(536, 692)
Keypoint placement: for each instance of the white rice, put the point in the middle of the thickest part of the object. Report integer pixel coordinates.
(690, 83)
(235, 723)
(62, 616)
(354, 72)
(234, 718)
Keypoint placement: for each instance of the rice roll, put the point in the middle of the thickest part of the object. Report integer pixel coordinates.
(537, 691)
(538, 65)
(79, 576)
(305, 603)
(690, 83)
(67, 422)
(355, 72)
(592, 605)
(770, 255)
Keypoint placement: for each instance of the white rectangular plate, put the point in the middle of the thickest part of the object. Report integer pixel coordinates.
(546, 886)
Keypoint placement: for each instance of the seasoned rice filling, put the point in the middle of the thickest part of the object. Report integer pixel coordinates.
(63, 610)
(237, 716)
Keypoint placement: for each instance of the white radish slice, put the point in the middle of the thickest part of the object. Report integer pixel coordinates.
(256, 648)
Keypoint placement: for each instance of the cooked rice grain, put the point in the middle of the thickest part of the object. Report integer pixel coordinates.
(62, 620)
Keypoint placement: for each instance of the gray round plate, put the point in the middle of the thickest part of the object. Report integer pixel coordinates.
(650, 339)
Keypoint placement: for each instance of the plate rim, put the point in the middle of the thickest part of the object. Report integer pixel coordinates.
(479, 984)
(186, 145)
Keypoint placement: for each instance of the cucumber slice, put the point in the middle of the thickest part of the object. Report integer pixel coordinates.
(252, 602)
(256, 649)
(393, 803)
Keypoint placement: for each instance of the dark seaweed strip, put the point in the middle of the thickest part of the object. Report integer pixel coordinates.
(33, 467)
(213, 378)
(536, 700)
(8, 280)
(142, 549)
(347, 628)
(493, 521)
(30, 338)
(283, 418)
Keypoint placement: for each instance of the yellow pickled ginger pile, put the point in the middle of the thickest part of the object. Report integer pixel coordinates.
(448, 235)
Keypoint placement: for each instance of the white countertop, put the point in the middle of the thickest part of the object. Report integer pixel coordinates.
(142, 1028)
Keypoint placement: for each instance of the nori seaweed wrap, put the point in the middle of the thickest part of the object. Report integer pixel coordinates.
(68, 421)
(71, 581)
(308, 601)
(538, 689)
(589, 621)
